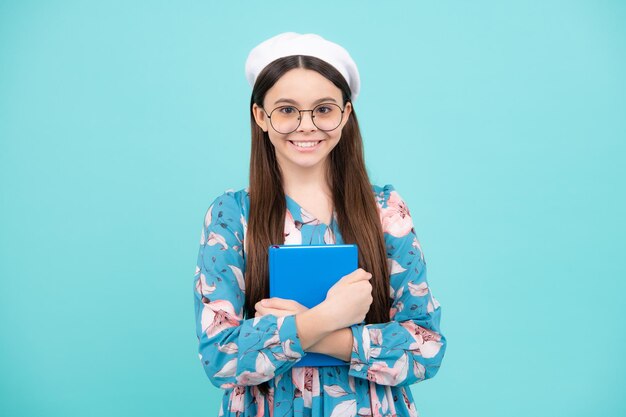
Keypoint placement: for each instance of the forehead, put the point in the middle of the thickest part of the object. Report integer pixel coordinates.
(303, 87)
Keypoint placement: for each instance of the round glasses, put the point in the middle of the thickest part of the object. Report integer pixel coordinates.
(286, 119)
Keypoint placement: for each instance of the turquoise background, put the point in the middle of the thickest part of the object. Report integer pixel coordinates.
(502, 124)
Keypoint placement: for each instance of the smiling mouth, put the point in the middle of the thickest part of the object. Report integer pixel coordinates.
(306, 144)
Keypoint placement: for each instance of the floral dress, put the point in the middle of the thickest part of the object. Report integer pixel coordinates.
(239, 354)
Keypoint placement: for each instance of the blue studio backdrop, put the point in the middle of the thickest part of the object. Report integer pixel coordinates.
(501, 123)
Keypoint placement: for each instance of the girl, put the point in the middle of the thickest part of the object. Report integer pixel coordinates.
(309, 185)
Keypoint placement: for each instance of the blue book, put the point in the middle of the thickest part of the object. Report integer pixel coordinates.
(305, 273)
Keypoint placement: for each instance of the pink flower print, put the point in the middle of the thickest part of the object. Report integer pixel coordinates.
(202, 287)
(345, 409)
(329, 236)
(251, 378)
(244, 223)
(308, 378)
(389, 398)
(409, 405)
(376, 336)
(395, 218)
(289, 354)
(237, 398)
(394, 267)
(418, 290)
(217, 239)
(315, 385)
(335, 390)
(308, 218)
(308, 386)
(207, 217)
(395, 310)
(374, 402)
(293, 236)
(380, 198)
(207, 222)
(427, 343)
(432, 304)
(381, 373)
(239, 276)
(217, 316)
(306, 381)
(297, 378)
(419, 370)
(416, 245)
(264, 371)
(259, 399)
(279, 322)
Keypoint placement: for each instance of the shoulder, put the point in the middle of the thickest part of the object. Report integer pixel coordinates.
(227, 208)
(231, 199)
(382, 193)
(394, 213)
(387, 197)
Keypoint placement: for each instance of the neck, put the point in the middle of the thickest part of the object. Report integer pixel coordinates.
(298, 180)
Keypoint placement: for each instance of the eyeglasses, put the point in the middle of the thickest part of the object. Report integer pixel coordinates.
(286, 119)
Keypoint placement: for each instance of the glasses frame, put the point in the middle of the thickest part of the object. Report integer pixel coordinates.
(269, 116)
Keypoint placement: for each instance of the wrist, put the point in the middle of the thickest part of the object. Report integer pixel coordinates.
(327, 321)
(337, 344)
(313, 325)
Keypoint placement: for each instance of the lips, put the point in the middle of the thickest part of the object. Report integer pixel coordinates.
(304, 149)
(305, 143)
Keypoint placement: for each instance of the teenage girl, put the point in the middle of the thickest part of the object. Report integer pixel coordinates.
(309, 185)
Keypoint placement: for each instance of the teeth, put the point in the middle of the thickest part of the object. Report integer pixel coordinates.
(305, 144)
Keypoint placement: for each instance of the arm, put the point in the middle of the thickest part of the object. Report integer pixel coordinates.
(407, 349)
(235, 351)
(343, 345)
(337, 344)
(410, 347)
(315, 326)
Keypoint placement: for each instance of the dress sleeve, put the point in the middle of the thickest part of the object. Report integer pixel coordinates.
(234, 351)
(410, 347)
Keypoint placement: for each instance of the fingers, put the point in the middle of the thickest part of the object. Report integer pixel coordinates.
(358, 275)
(273, 312)
(276, 303)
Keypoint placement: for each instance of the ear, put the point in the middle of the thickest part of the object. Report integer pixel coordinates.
(347, 110)
(260, 117)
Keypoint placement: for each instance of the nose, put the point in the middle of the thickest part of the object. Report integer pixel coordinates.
(306, 122)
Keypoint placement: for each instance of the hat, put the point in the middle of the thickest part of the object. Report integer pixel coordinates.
(291, 43)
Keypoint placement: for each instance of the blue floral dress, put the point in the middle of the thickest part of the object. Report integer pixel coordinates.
(239, 354)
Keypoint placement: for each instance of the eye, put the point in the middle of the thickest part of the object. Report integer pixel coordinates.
(323, 109)
(287, 110)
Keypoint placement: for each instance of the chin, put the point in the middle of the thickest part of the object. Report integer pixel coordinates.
(306, 162)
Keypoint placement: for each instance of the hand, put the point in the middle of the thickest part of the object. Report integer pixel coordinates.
(278, 307)
(349, 300)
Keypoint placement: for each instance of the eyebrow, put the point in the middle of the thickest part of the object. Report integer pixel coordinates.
(288, 100)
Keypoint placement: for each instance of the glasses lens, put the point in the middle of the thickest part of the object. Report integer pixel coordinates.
(327, 116)
(285, 119)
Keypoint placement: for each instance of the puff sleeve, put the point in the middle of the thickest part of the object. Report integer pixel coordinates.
(410, 347)
(234, 351)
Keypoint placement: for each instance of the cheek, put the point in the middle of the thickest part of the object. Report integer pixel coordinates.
(276, 138)
(335, 137)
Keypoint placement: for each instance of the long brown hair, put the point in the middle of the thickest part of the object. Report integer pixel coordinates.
(357, 213)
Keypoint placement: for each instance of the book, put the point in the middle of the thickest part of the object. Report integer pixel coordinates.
(305, 273)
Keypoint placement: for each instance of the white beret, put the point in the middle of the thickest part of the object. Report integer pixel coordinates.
(291, 43)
